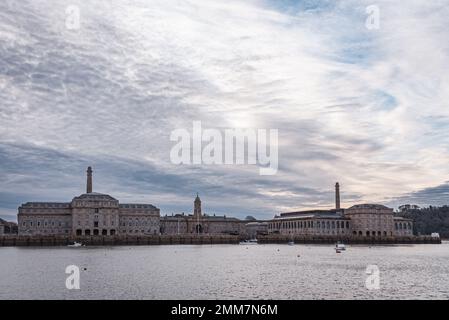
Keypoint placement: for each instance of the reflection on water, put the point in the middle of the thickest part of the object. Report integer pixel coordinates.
(226, 272)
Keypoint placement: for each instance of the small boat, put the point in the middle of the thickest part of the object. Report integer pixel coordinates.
(252, 241)
(75, 245)
(340, 246)
(290, 243)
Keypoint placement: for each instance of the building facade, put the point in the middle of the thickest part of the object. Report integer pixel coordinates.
(7, 227)
(199, 223)
(91, 213)
(365, 220)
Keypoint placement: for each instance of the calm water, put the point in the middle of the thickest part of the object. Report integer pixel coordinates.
(226, 272)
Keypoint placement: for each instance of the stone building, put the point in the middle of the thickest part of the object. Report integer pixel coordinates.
(364, 220)
(91, 213)
(256, 228)
(199, 223)
(7, 227)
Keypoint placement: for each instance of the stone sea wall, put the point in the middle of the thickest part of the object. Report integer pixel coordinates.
(348, 239)
(29, 241)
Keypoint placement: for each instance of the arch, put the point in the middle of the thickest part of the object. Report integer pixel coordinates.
(96, 232)
(79, 232)
(379, 233)
(354, 233)
(87, 232)
(360, 233)
(385, 233)
(104, 232)
(198, 228)
(367, 233)
(112, 232)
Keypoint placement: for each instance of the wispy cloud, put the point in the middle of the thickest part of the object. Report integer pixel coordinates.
(364, 107)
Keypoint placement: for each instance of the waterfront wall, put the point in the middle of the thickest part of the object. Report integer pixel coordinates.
(348, 239)
(28, 241)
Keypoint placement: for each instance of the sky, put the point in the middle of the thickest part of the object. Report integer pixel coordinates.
(364, 106)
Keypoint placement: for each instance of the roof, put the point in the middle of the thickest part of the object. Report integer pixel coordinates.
(402, 219)
(46, 204)
(94, 196)
(369, 206)
(332, 213)
(137, 206)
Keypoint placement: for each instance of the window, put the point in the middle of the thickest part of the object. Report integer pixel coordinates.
(95, 224)
(96, 210)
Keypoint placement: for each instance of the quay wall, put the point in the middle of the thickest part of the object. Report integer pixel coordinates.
(298, 239)
(29, 241)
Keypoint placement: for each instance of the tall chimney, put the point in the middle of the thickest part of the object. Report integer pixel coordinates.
(89, 180)
(337, 196)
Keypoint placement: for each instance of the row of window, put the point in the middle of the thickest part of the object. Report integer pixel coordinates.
(44, 224)
(403, 226)
(309, 224)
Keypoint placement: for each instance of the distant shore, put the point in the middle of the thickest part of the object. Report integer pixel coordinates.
(33, 241)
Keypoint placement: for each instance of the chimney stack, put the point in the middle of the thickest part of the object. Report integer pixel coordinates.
(89, 180)
(337, 196)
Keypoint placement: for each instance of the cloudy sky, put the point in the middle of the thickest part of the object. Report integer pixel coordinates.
(362, 106)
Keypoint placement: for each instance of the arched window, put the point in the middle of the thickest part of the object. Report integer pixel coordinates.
(367, 233)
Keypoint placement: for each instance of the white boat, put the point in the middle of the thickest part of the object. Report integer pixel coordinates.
(75, 245)
(340, 247)
(252, 241)
(435, 235)
(290, 243)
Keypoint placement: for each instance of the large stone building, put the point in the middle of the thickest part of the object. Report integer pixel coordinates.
(364, 220)
(199, 223)
(91, 213)
(7, 227)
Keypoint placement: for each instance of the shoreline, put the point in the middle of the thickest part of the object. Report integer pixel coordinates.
(188, 239)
